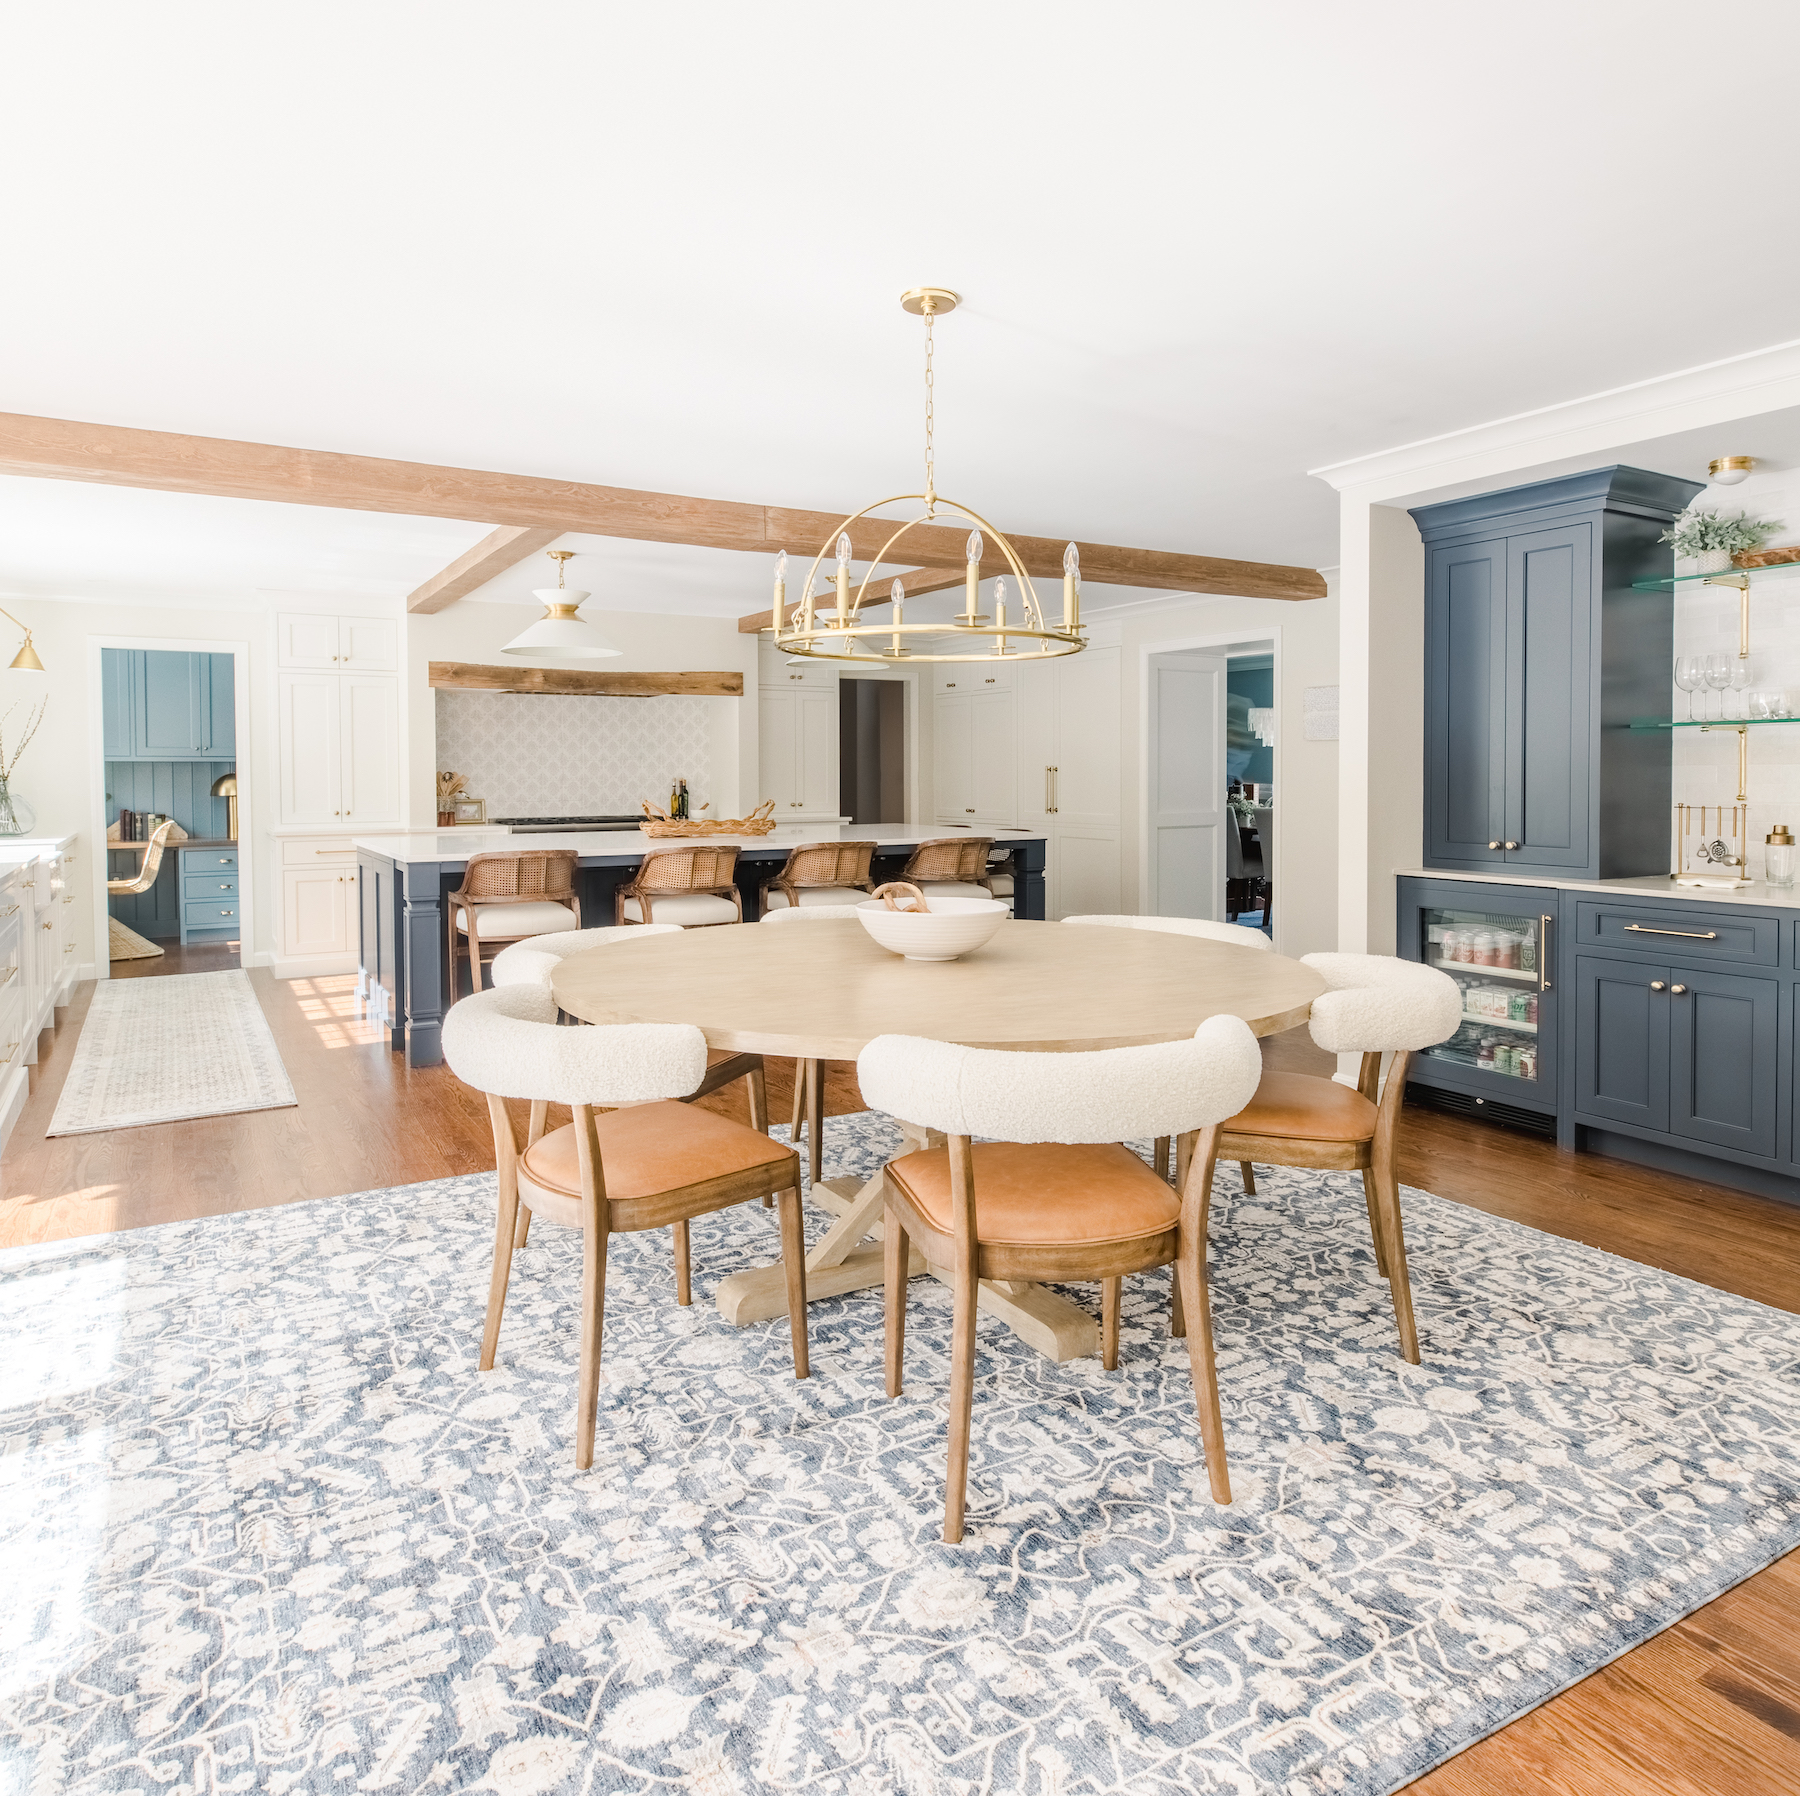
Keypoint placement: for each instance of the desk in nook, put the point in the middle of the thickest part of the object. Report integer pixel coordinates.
(402, 880)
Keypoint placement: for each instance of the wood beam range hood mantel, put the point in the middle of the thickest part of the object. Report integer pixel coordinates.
(471, 676)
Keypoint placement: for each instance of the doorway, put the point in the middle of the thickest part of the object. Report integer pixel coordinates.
(169, 716)
(1209, 821)
(872, 750)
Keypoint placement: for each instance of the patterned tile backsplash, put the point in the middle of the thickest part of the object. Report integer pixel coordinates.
(574, 757)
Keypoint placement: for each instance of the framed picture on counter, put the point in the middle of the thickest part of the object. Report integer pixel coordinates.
(471, 810)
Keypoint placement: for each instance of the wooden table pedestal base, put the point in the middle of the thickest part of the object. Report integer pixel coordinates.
(1057, 1328)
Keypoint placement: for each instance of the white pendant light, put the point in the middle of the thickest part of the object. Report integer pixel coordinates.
(561, 634)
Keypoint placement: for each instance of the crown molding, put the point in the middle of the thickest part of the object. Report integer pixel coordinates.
(1598, 424)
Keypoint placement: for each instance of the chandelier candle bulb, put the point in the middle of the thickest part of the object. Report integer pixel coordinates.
(972, 584)
(897, 592)
(780, 591)
(843, 576)
(1000, 612)
(1071, 585)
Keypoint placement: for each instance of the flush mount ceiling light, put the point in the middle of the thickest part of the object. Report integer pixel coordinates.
(1728, 470)
(27, 657)
(841, 633)
(560, 634)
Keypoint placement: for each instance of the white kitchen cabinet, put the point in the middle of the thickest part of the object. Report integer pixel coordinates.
(316, 910)
(339, 748)
(308, 642)
(994, 779)
(975, 752)
(953, 754)
(797, 749)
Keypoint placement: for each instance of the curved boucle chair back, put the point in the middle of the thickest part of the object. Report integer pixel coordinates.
(532, 961)
(1378, 1004)
(810, 913)
(1233, 933)
(506, 1041)
(1115, 1094)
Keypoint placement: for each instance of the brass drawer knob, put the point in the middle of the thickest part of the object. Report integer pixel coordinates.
(1656, 985)
(1676, 990)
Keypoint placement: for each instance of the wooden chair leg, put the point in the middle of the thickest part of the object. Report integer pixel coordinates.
(474, 955)
(815, 1125)
(793, 1261)
(1247, 1173)
(523, 1233)
(1377, 1227)
(1110, 1292)
(511, 1216)
(593, 1317)
(1159, 1156)
(896, 1253)
(684, 1290)
(962, 1398)
(758, 1089)
(1387, 1197)
(1191, 1268)
(1177, 1310)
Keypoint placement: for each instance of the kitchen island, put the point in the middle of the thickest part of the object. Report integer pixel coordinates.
(403, 878)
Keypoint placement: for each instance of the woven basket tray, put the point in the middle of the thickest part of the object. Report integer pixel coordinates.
(1765, 557)
(760, 822)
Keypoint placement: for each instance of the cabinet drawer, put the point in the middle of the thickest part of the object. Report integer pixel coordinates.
(198, 915)
(208, 860)
(219, 888)
(1689, 931)
(316, 851)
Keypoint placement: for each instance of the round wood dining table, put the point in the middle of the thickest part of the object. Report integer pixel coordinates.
(823, 990)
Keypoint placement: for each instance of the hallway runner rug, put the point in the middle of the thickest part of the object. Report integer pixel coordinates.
(177, 1045)
(267, 1529)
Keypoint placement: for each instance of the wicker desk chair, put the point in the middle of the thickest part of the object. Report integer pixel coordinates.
(506, 897)
(951, 867)
(820, 873)
(145, 877)
(692, 888)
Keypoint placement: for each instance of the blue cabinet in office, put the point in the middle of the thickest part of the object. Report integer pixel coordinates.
(181, 705)
(1537, 654)
(115, 703)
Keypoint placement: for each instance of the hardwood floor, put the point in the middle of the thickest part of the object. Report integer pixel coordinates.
(1711, 1705)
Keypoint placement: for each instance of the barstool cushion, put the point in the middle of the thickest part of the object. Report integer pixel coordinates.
(1043, 1195)
(775, 899)
(650, 1148)
(1300, 1107)
(953, 888)
(815, 913)
(685, 909)
(508, 922)
(1001, 884)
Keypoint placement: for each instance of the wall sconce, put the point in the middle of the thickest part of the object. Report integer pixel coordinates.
(1728, 470)
(27, 657)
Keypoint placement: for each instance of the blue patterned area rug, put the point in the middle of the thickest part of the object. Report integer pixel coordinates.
(266, 1529)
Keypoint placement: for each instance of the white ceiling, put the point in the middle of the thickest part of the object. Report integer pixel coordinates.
(1204, 246)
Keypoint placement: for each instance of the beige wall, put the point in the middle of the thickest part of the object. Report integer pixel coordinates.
(1306, 773)
(476, 632)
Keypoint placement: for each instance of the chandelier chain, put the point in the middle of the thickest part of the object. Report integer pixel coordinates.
(930, 420)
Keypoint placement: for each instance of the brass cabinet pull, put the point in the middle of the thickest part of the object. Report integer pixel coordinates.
(1046, 791)
(9, 910)
(9, 973)
(1656, 985)
(12, 1047)
(968, 810)
(1692, 935)
(1675, 991)
(1546, 923)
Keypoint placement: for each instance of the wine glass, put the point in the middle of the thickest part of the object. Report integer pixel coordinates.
(1740, 684)
(1690, 676)
(1718, 677)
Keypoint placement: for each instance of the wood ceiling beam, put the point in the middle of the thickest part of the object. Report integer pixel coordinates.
(917, 580)
(472, 676)
(494, 554)
(58, 449)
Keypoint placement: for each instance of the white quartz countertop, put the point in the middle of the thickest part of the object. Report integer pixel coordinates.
(1755, 896)
(451, 844)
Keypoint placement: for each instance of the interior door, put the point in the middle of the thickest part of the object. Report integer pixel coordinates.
(1188, 815)
(1548, 611)
(953, 757)
(311, 750)
(1722, 1058)
(371, 755)
(1465, 702)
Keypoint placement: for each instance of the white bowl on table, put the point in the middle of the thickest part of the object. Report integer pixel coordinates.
(952, 927)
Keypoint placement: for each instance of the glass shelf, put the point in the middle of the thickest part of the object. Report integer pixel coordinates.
(1731, 577)
(1708, 723)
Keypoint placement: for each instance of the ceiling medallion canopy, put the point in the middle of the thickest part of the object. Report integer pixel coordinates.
(840, 630)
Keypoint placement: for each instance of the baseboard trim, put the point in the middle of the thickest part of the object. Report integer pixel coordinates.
(312, 966)
(264, 959)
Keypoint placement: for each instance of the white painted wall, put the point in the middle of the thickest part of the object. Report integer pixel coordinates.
(476, 632)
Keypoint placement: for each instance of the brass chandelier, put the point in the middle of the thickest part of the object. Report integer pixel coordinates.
(839, 631)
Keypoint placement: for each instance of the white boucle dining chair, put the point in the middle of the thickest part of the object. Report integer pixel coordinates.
(644, 1165)
(809, 1075)
(533, 960)
(1053, 1196)
(1376, 1005)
